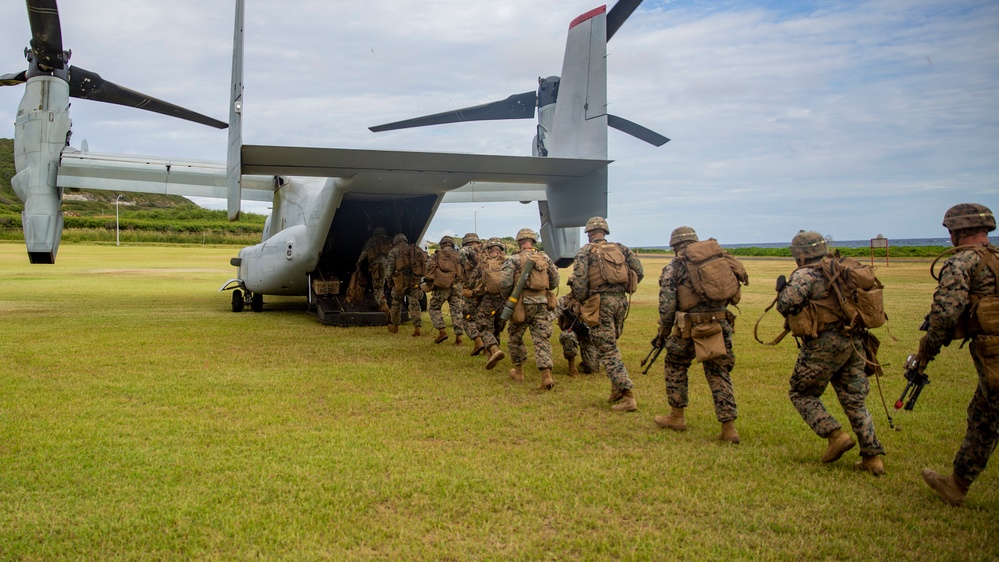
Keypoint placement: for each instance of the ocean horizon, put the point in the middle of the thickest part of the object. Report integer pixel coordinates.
(892, 243)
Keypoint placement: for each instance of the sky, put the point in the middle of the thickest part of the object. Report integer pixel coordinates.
(849, 118)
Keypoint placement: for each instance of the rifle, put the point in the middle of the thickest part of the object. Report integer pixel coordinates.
(915, 385)
(514, 297)
(576, 324)
(658, 343)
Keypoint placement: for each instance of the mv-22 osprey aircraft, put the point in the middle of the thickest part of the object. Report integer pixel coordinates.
(315, 232)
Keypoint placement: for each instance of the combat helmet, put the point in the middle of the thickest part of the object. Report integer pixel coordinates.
(969, 215)
(400, 239)
(446, 240)
(378, 231)
(682, 234)
(808, 244)
(494, 241)
(469, 238)
(597, 223)
(525, 233)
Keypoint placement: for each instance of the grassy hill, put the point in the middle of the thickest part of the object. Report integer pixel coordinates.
(143, 217)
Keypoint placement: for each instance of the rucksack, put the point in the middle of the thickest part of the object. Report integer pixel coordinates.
(412, 257)
(612, 268)
(491, 269)
(714, 273)
(858, 291)
(537, 280)
(444, 268)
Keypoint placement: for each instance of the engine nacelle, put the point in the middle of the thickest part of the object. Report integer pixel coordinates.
(41, 130)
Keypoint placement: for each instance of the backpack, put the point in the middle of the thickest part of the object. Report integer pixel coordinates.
(444, 269)
(714, 273)
(491, 270)
(537, 280)
(412, 257)
(612, 268)
(858, 291)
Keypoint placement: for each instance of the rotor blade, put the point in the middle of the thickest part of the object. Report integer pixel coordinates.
(14, 78)
(619, 14)
(89, 85)
(517, 106)
(636, 130)
(46, 34)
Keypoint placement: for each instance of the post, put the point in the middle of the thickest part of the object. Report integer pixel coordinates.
(117, 236)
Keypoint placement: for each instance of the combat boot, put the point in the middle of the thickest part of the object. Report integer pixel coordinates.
(517, 373)
(547, 382)
(871, 464)
(417, 332)
(673, 421)
(615, 395)
(457, 339)
(495, 356)
(627, 403)
(479, 347)
(951, 489)
(441, 335)
(839, 443)
(393, 328)
(572, 368)
(728, 433)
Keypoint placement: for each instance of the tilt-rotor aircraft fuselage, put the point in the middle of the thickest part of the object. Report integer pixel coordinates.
(325, 202)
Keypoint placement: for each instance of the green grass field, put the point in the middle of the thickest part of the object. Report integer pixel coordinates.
(141, 419)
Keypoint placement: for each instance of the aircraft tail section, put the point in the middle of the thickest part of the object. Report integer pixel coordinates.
(234, 165)
(579, 130)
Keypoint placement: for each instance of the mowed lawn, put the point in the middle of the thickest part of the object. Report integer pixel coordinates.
(141, 419)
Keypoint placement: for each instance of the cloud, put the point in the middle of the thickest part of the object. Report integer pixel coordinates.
(850, 118)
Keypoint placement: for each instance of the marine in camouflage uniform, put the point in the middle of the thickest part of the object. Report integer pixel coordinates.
(490, 300)
(613, 310)
(575, 337)
(404, 286)
(468, 255)
(537, 316)
(375, 251)
(680, 352)
(966, 292)
(450, 295)
(830, 358)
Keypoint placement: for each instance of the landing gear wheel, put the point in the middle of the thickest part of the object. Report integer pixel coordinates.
(237, 300)
(257, 303)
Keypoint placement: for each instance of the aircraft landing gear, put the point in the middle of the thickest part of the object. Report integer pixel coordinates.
(257, 302)
(237, 301)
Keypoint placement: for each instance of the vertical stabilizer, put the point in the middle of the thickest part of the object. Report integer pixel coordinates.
(234, 165)
(579, 129)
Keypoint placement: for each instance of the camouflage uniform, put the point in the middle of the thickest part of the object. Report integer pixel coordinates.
(376, 250)
(613, 310)
(574, 343)
(962, 277)
(830, 358)
(450, 295)
(680, 351)
(469, 255)
(537, 318)
(488, 305)
(405, 286)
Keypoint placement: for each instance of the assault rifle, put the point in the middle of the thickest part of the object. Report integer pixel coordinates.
(576, 324)
(915, 385)
(514, 297)
(658, 343)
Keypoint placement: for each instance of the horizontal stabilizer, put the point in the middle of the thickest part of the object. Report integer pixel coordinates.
(517, 106)
(636, 130)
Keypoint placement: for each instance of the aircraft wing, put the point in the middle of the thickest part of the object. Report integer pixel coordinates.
(164, 176)
(497, 178)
